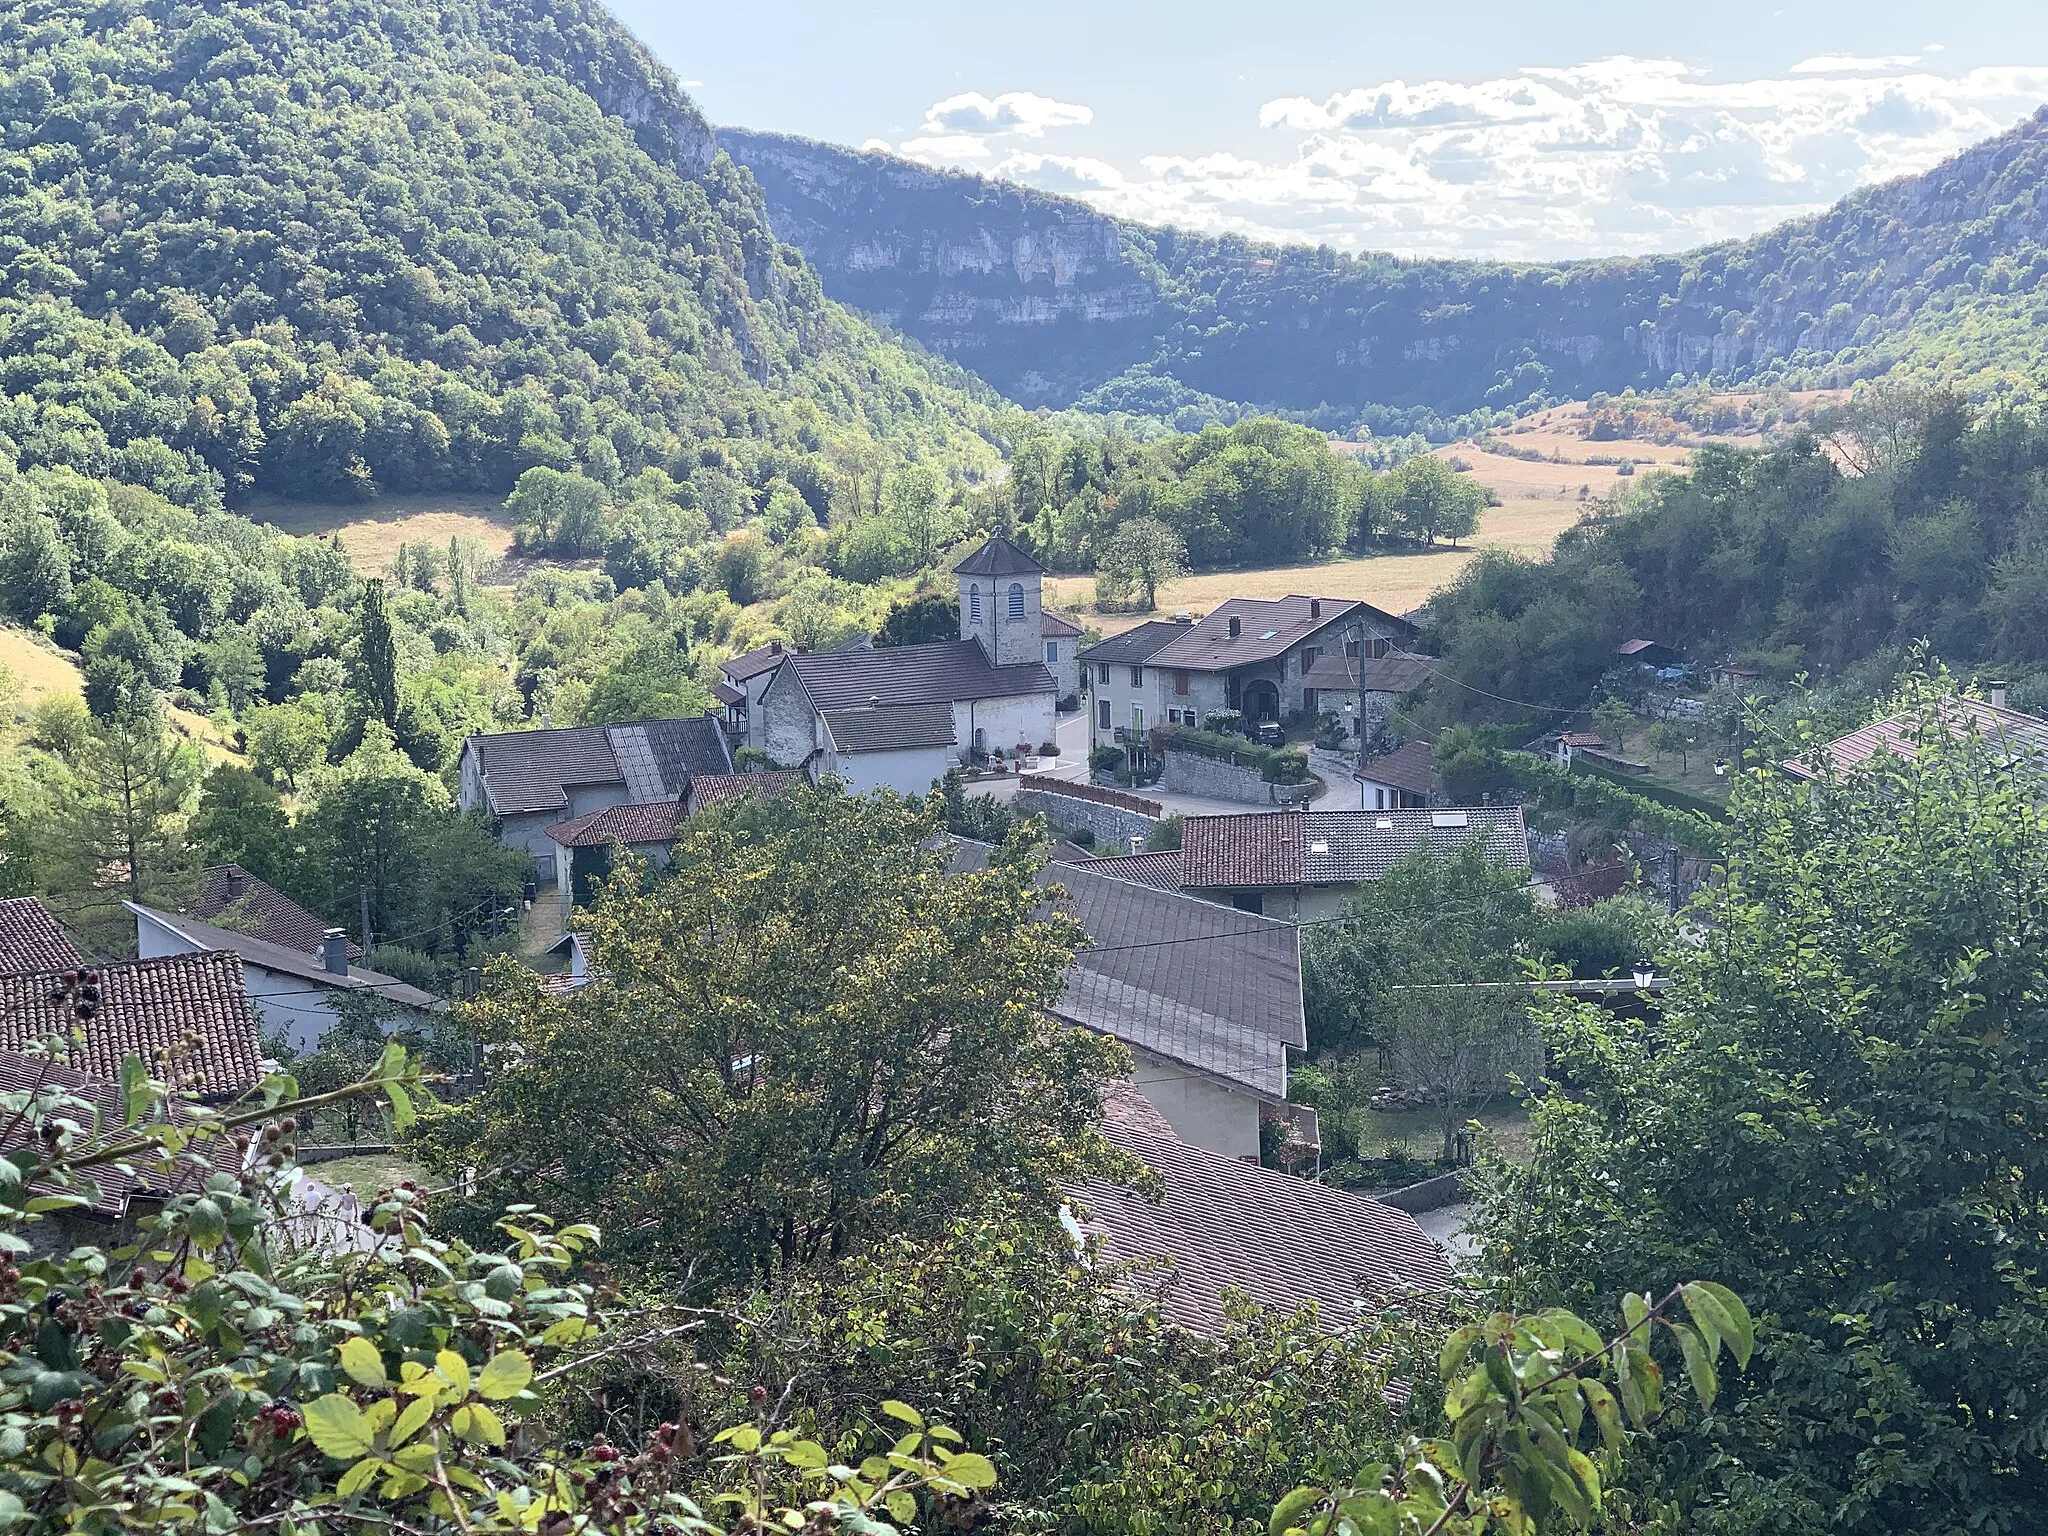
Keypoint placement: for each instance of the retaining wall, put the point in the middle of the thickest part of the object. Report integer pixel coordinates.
(1069, 808)
(1190, 773)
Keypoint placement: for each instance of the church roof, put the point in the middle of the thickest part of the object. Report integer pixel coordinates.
(999, 557)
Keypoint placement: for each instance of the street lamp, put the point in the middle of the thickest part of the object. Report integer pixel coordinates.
(1645, 974)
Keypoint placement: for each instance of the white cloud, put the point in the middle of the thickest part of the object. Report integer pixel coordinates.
(1612, 155)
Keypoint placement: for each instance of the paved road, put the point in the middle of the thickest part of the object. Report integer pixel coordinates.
(1447, 1226)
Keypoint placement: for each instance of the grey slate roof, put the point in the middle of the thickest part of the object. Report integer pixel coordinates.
(290, 962)
(940, 672)
(1159, 870)
(999, 557)
(891, 728)
(526, 771)
(1222, 1224)
(30, 939)
(1206, 986)
(1267, 627)
(146, 1009)
(1337, 847)
(1395, 672)
(753, 663)
(283, 920)
(1136, 646)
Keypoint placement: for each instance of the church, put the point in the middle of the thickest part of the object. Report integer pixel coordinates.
(898, 717)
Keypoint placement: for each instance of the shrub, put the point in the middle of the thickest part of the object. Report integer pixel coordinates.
(1276, 765)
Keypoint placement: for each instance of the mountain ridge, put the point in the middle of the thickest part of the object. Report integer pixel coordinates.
(954, 259)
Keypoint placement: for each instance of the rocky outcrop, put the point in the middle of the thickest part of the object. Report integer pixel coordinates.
(1048, 299)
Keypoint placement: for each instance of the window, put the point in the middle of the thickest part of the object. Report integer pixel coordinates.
(1180, 684)
(1379, 799)
(1137, 677)
(1052, 652)
(1351, 649)
(1137, 719)
(1378, 646)
(1249, 901)
(1102, 713)
(1308, 701)
(1016, 599)
(974, 603)
(1309, 653)
(1102, 672)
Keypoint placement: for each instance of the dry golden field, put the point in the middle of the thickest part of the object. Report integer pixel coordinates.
(371, 532)
(39, 670)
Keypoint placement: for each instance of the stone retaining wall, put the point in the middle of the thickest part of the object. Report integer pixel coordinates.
(1113, 826)
(1190, 773)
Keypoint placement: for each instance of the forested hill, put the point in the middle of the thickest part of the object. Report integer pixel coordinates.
(1049, 300)
(382, 244)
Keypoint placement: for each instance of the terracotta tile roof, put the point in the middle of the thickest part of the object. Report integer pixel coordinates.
(283, 960)
(634, 824)
(275, 916)
(892, 727)
(999, 557)
(2023, 737)
(1337, 847)
(1267, 627)
(940, 672)
(30, 939)
(1224, 1224)
(722, 788)
(1410, 766)
(1159, 870)
(1057, 625)
(1135, 646)
(112, 1188)
(146, 1008)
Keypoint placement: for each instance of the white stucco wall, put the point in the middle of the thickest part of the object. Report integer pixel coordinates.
(1028, 718)
(911, 772)
(1121, 693)
(1201, 1111)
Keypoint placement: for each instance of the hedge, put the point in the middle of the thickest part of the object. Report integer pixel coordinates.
(1276, 765)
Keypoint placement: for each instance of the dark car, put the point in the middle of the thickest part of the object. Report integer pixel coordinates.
(1267, 733)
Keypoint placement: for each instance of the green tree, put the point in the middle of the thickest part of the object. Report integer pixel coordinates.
(917, 499)
(851, 1042)
(741, 567)
(363, 828)
(374, 675)
(124, 818)
(241, 820)
(1838, 1103)
(920, 619)
(1143, 553)
(35, 567)
(288, 741)
(1429, 500)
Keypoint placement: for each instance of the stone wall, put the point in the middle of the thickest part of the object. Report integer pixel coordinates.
(1190, 773)
(1113, 825)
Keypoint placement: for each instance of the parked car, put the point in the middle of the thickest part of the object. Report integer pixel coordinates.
(1267, 733)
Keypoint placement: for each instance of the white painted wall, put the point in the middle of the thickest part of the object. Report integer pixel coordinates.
(1202, 1112)
(1125, 688)
(1028, 718)
(909, 772)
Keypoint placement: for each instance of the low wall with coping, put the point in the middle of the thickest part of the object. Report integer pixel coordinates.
(1190, 773)
(1110, 815)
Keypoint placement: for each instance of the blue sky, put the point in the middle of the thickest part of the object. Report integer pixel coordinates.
(1523, 130)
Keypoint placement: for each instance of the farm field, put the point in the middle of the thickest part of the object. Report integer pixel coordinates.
(371, 532)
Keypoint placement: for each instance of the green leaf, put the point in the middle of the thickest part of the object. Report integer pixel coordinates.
(1606, 1413)
(806, 1455)
(454, 1370)
(971, 1470)
(135, 1094)
(358, 1477)
(11, 1511)
(363, 1363)
(417, 1412)
(402, 1115)
(903, 1411)
(206, 1224)
(338, 1427)
(743, 1438)
(1734, 1324)
(477, 1424)
(1699, 1363)
(1634, 1310)
(902, 1505)
(1290, 1508)
(1455, 1349)
(505, 1374)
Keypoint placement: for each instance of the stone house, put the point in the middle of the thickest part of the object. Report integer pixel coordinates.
(527, 781)
(897, 717)
(1123, 685)
(1062, 658)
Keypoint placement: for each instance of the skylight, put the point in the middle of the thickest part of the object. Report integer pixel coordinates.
(1447, 818)
(1269, 634)
(1319, 847)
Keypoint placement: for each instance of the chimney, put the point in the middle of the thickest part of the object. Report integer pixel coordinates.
(1137, 842)
(334, 951)
(775, 647)
(1995, 691)
(1315, 607)
(1236, 626)
(874, 701)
